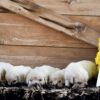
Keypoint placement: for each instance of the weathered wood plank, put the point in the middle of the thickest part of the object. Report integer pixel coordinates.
(33, 34)
(93, 22)
(78, 7)
(26, 32)
(86, 34)
(33, 56)
(57, 1)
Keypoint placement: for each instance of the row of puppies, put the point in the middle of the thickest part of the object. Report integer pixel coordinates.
(75, 72)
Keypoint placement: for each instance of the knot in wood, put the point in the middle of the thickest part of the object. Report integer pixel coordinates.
(79, 27)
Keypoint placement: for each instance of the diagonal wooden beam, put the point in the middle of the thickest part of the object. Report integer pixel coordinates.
(47, 14)
(52, 20)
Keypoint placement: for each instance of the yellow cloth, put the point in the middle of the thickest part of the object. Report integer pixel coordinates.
(97, 59)
(99, 44)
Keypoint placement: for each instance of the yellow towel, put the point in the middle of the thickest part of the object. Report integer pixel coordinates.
(97, 59)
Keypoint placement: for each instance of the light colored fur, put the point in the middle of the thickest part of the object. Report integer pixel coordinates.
(75, 73)
(4, 67)
(39, 75)
(57, 78)
(17, 74)
(81, 72)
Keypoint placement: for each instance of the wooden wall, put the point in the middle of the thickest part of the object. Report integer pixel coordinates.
(23, 41)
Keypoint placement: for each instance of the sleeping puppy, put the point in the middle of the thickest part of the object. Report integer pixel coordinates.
(4, 67)
(80, 72)
(57, 78)
(39, 75)
(17, 74)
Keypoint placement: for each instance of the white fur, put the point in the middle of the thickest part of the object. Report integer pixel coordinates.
(39, 75)
(4, 67)
(57, 78)
(17, 74)
(79, 72)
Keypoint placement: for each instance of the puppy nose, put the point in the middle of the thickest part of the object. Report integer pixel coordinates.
(35, 84)
(60, 85)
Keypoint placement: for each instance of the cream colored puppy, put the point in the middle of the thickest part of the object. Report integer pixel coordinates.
(57, 78)
(39, 75)
(17, 74)
(4, 67)
(80, 72)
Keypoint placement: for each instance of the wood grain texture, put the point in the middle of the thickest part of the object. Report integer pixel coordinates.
(59, 2)
(58, 57)
(76, 30)
(16, 30)
(23, 41)
(77, 7)
(93, 22)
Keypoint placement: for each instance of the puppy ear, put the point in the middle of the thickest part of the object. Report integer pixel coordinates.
(23, 78)
(3, 75)
(18, 80)
(46, 80)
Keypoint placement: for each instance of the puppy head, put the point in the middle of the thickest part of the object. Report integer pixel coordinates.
(75, 73)
(36, 78)
(57, 79)
(12, 79)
